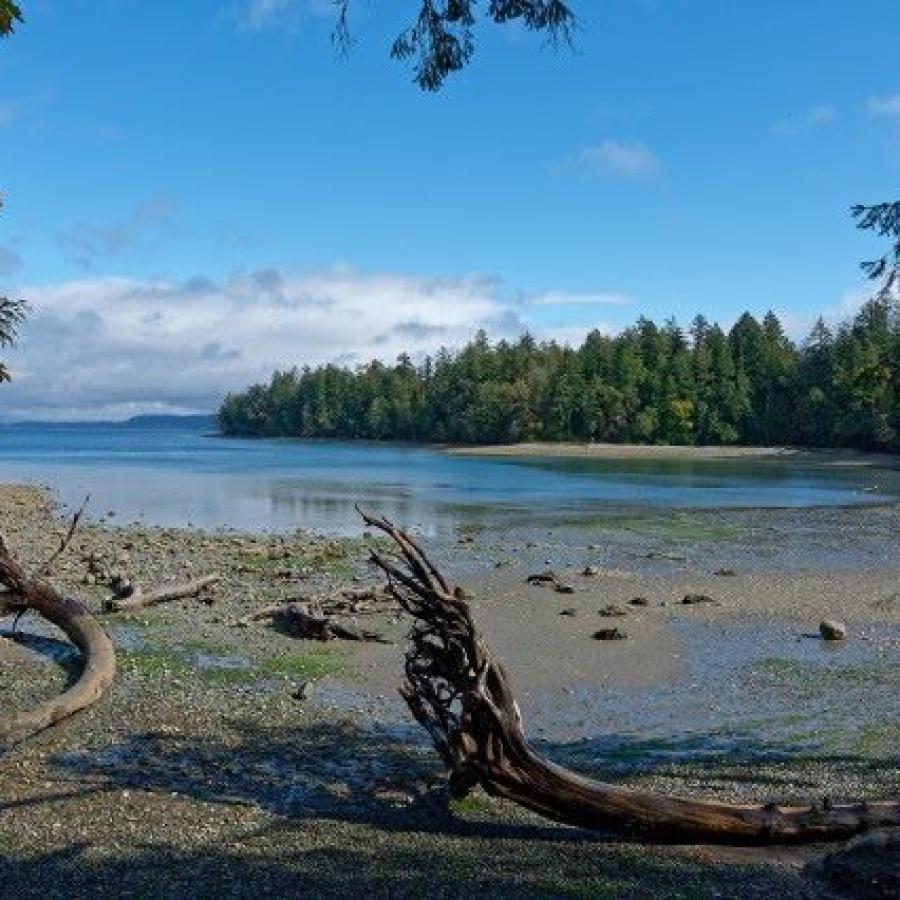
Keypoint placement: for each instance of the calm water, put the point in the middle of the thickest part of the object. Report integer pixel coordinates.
(185, 475)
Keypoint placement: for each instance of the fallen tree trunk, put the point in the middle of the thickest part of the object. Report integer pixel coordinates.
(134, 598)
(23, 593)
(460, 693)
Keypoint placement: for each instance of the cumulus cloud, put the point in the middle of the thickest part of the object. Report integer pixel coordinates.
(809, 119)
(85, 243)
(886, 107)
(113, 347)
(618, 158)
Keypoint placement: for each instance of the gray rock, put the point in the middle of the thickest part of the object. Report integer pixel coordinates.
(639, 601)
(694, 599)
(832, 630)
(609, 634)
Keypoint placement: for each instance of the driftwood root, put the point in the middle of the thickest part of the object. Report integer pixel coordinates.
(461, 694)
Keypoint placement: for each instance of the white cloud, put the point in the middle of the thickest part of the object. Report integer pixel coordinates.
(886, 107)
(113, 347)
(625, 159)
(814, 117)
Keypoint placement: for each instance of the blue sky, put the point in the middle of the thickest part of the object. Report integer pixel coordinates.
(162, 162)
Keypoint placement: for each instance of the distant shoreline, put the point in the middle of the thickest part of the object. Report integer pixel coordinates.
(835, 457)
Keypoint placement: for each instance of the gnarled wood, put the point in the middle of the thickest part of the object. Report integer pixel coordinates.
(460, 693)
(302, 620)
(135, 598)
(24, 592)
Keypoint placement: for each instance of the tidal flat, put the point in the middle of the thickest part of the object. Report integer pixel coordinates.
(229, 758)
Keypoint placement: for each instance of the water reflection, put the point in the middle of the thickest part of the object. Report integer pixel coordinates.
(177, 477)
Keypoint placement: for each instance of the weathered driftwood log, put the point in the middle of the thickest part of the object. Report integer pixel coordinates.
(133, 598)
(301, 620)
(460, 693)
(23, 592)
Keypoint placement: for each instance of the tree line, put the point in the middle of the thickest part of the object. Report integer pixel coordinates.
(649, 384)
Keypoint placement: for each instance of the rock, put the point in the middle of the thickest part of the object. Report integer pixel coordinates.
(561, 588)
(832, 630)
(546, 577)
(590, 572)
(639, 601)
(868, 867)
(694, 599)
(725, 573)
(569, 611)
(304, 691)
(609, 634)
(612, 611)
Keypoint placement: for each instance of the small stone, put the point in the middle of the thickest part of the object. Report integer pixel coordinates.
(832, 630)
(609, 634)
(303, 692)
(694, 599)
(569, 611)
(639, 601)
(561, 588)
(612, 611)
(725, 573)
(590, 572)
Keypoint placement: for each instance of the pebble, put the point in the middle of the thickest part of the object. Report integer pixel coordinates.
(832, 630)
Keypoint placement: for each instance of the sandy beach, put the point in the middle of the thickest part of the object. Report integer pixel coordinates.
(229, 757)
(687, 453)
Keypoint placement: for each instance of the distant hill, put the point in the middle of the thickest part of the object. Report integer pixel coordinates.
(146, 423)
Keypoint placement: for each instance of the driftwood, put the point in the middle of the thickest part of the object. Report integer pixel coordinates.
(23, 592)
(302, 620)
(460, 693)
(131, 598)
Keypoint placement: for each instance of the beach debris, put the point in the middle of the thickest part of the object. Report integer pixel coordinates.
(590, 572)
(695, 599)
(609, 634)
(23, 592)
(832, 630)
(309, 622)
(612, 611)
(129, 597)
(549, 578)
(460, 693)
(867, 867)
(639, 601)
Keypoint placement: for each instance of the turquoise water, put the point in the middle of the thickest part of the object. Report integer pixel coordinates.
(185, 475)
